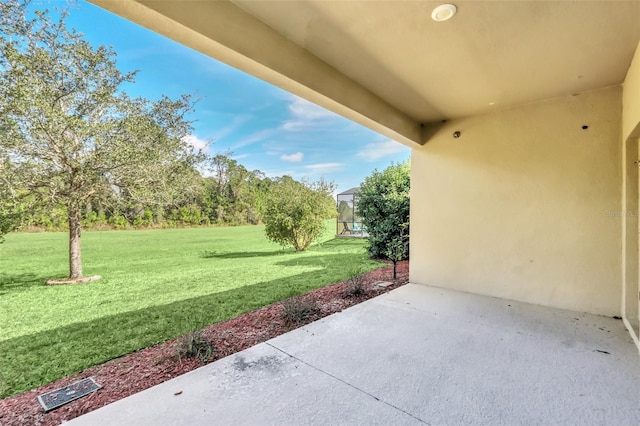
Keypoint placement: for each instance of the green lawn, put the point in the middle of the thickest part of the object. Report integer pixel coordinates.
(155, 286)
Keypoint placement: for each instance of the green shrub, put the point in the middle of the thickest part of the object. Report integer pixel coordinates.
(119, 221)
(299, 309)
(383, 205)
(194, 345)
(296, 212)
(355, 283)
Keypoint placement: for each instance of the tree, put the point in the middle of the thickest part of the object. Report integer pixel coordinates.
(296, 212)
(11, 212)
(72, 135)
(383, 205)
(397, 248)
(232, 194)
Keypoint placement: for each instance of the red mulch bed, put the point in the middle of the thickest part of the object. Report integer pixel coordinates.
(141, 370)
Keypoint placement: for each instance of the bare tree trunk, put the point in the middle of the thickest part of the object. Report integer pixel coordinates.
(395, 263)
(75, 260)
(159, 215)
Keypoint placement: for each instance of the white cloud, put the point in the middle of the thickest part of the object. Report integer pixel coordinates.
(234, 124)
(294, 158)
(324, 168)
(376, 150)
(253, 138)
(305, 115)
(240, 156)
(304, 109)
(196, 142)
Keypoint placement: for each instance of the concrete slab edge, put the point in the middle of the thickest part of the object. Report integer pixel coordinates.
(631, 331)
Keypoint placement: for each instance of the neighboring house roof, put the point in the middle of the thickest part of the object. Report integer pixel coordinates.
(350, 191)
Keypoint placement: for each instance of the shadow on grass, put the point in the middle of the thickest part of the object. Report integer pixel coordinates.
(322, 260)
(333, 245)
(10, 283)
(339, 244)
(32, 360)
(243, 254)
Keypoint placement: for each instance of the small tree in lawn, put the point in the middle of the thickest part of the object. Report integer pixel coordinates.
(383, 206)
(296, 212)
(69, 133)
(397, 248)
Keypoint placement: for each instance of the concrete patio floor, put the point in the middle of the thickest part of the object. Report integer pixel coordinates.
(416, 355)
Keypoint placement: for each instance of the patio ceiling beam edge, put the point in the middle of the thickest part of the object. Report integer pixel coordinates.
(224, 31)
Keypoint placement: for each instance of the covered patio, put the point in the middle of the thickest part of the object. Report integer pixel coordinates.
(416, 355)
(524, 124)
(523, 119)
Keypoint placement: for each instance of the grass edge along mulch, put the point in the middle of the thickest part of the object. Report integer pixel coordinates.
(148, 367)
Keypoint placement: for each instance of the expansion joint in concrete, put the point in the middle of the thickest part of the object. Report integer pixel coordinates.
(346, 383)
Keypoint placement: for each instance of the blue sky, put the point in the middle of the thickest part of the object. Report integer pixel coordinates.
(265, 127)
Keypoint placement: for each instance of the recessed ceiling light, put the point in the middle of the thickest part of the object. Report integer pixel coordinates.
(444, 12)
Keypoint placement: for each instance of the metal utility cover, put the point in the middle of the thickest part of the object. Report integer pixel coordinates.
(59, 397)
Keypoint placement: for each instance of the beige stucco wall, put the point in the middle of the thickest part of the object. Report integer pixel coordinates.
(631, 99)
(630, 141)
(630, 232)
(523, 205)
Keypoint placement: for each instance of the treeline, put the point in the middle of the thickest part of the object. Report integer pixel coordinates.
(226, 193)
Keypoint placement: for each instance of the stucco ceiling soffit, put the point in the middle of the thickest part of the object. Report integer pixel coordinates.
(389, 66)
(429, 130)
(490, 54)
